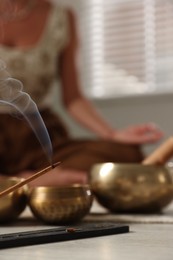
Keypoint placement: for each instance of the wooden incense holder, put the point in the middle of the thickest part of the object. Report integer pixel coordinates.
(27, 180)
(161, 155)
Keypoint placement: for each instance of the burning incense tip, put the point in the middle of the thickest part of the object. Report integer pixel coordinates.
(54, 165)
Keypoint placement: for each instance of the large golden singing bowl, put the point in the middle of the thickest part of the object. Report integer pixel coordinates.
(128, 188)
(60, 205)
(13, 204)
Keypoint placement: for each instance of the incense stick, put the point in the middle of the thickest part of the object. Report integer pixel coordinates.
(31, 178)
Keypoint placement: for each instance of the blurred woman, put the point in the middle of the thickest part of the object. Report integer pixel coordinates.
(39, 43)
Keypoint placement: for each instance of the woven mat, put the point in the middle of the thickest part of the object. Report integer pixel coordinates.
(99, 214)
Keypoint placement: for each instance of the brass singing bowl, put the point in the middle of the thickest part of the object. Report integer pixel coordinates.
(131, 188)
(14, 203)
(60, 205)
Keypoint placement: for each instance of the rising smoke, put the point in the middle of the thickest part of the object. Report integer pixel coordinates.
(11, 94)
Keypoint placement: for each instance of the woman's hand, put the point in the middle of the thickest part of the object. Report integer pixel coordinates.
(138, 134)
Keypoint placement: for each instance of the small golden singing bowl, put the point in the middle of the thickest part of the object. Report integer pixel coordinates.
(131, 188)
(13, 204)
(60, 205)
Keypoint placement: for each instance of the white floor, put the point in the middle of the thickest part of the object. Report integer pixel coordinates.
(144, 241)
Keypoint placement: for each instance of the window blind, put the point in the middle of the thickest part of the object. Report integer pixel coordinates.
(126, 46)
